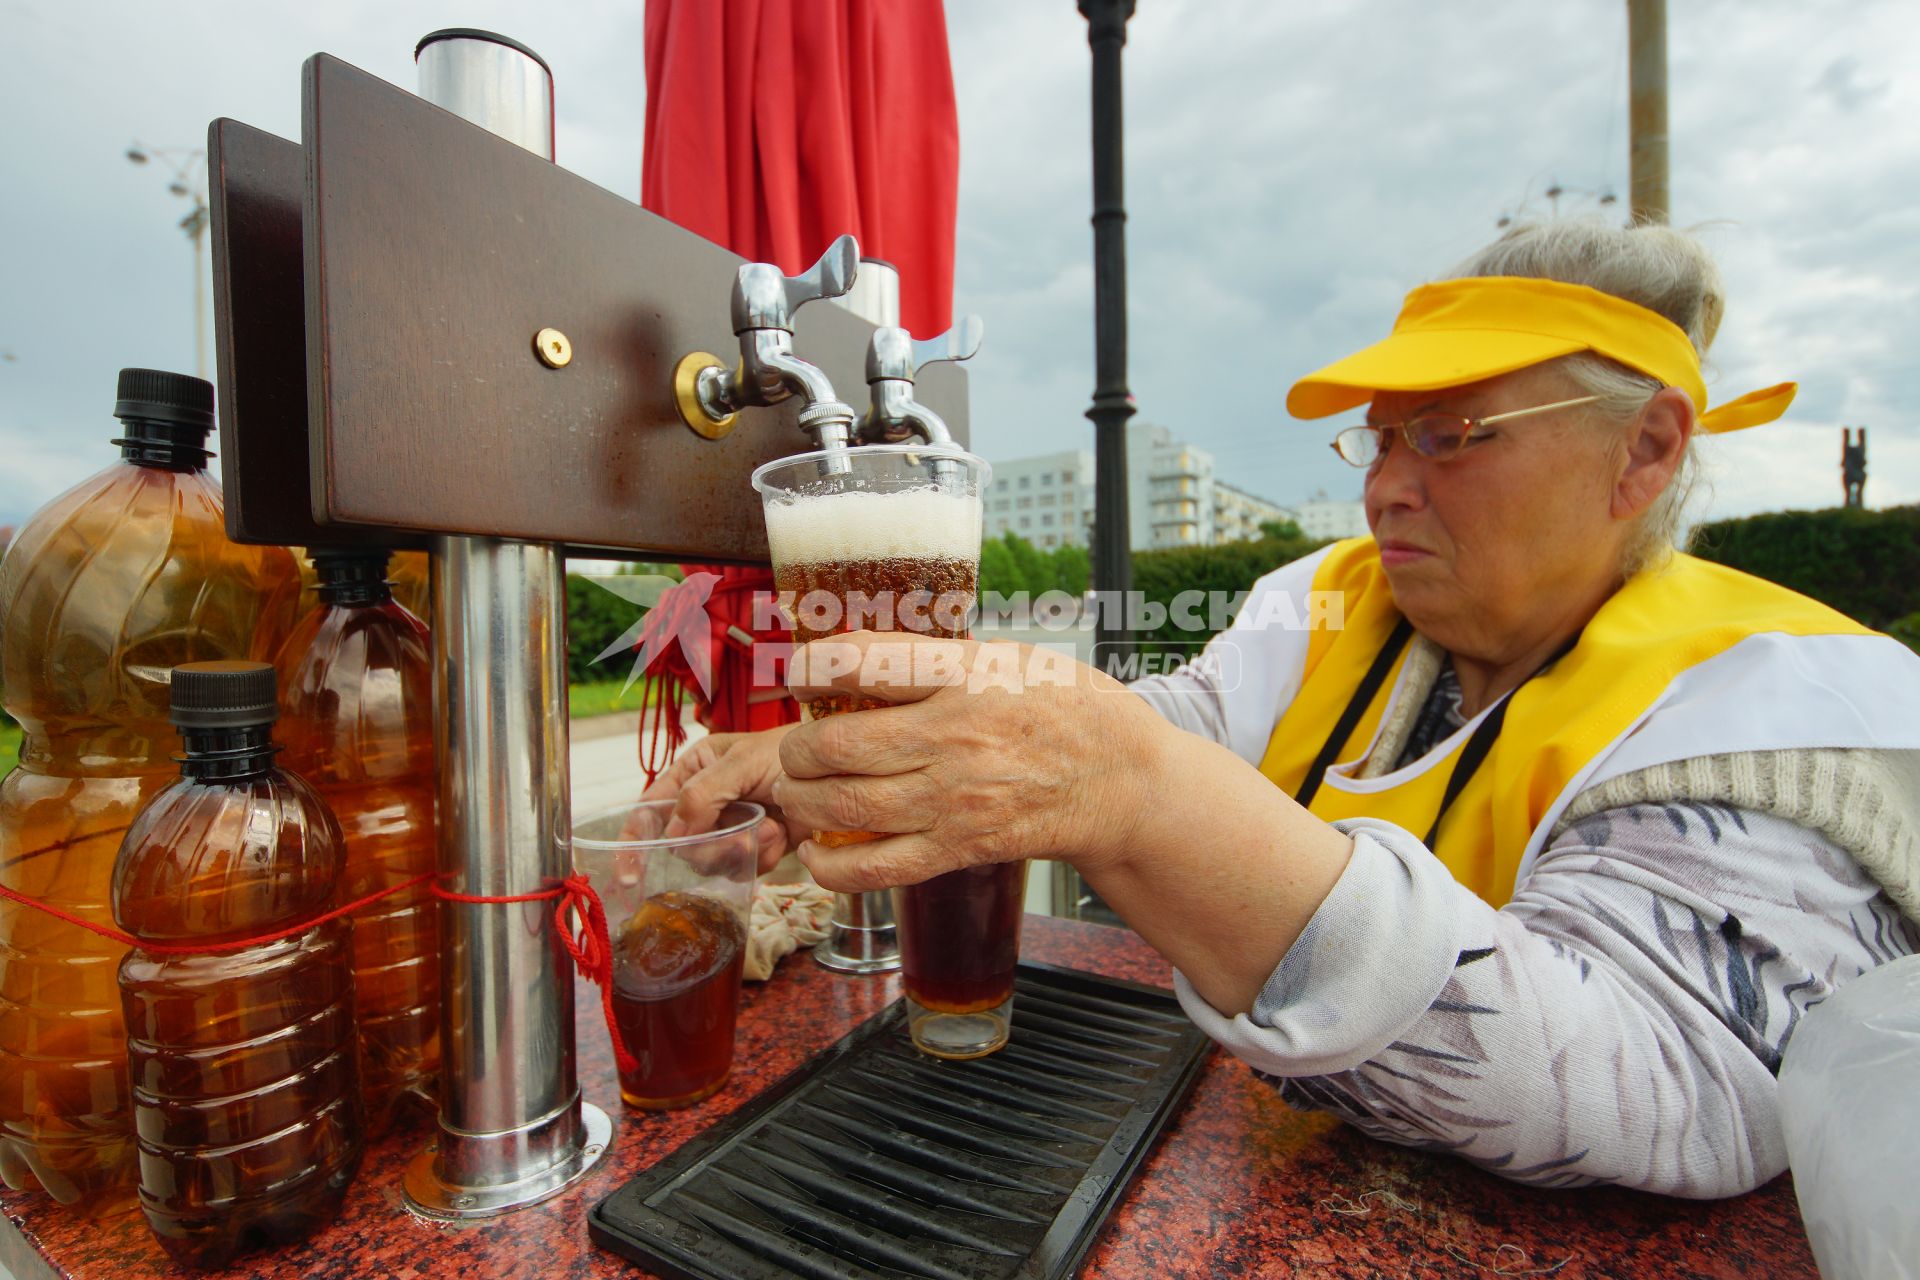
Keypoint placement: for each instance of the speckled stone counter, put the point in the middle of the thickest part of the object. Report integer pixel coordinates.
(1241, 1185)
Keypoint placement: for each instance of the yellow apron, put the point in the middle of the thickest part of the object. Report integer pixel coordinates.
(1654, 628)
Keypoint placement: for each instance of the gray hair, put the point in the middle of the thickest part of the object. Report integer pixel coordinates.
(1663, 270)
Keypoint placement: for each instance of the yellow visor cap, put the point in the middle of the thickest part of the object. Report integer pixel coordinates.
(1463, 331)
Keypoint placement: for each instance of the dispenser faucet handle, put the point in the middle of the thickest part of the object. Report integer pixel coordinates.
(765, 299)
(891, 353)
(830, 277)
(962, 342)
(710, 396)
(893, 360)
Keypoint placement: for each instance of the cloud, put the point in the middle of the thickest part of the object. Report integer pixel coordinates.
(1841, 82)
(1310, 163)
(1291, 171)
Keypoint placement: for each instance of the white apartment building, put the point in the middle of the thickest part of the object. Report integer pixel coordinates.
(1046, 499)
(1324, 517)
(1238, 515)
(1169, 489)
(1173, 499)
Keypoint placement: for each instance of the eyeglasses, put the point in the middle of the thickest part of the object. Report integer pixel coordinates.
(1440, 436)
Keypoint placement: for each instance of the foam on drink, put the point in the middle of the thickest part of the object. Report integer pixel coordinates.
(836, 528)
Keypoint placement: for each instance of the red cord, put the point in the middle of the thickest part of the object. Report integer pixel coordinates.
(213, 948)
(592, 950)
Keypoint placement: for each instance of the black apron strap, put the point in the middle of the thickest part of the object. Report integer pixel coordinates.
(1356, 707)
(1480, 745)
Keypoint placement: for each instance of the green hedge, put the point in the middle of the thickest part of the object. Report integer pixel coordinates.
(1011, 564)
(1230, 567)
(595, 619)
(1866, 564)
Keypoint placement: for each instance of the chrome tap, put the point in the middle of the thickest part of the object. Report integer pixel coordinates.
(894, 359)
(764, 302)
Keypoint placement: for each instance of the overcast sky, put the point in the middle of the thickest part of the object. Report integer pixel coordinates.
(1292, 169)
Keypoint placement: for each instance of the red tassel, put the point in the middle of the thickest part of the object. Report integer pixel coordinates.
(661, 732)
(592, 952)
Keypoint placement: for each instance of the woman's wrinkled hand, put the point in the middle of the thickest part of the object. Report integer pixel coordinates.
(983, 753)
(719, 769)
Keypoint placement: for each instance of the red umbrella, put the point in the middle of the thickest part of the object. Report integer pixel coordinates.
(773, 127)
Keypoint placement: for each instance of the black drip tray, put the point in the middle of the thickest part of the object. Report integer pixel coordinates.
(877, 1161)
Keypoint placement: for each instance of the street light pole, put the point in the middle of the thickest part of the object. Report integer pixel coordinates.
(1112, 402)
(182, 162)
(1647, 114)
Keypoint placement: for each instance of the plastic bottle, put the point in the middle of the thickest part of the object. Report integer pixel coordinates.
(356, 681)
(408, 577)
(244, 1065)
(103, 592)
(1849, 1111)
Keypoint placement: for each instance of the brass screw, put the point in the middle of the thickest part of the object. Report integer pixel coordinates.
(552, 347)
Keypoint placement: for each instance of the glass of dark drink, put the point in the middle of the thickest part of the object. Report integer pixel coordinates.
(887, 538)
(959, 944)
(677, 913)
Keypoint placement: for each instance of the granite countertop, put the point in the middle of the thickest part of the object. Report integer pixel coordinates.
(1241, 1185)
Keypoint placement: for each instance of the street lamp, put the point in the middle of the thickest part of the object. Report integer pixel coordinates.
(1112, 401)
(1602, 198)
(183, 162)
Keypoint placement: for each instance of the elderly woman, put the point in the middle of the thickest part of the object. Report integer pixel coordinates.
(1537, 851)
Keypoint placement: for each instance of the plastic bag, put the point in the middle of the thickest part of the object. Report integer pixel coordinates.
(1850, 1105)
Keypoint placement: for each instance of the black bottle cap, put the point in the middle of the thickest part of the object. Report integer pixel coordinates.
(155, 395)
(352, 575)
(349, 563)
(224, 695)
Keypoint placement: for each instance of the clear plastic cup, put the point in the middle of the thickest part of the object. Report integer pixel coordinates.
(879, 537)
(677, 916)
(887, 538)
(959, 948)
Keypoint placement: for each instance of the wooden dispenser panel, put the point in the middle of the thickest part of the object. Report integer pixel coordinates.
(434, 252)
(260, 340)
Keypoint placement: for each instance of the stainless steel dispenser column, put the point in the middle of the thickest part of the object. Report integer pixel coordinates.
(862, 937)
(513, 1127)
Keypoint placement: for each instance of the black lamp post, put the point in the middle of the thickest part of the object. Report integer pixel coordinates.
(1112, 402)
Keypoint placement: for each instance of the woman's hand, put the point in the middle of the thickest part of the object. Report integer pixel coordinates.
(991, 752)
(985, 753)
(717, 770)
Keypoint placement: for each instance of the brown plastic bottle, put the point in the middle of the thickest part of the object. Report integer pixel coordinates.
(244, 1064)
(408, 577)
(103, 592)
(356, 696)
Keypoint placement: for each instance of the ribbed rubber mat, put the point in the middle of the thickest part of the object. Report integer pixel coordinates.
(875, 1161)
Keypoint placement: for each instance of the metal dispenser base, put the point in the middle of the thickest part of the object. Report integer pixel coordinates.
(862, 937)
(513, 1127)
(430, 1194)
